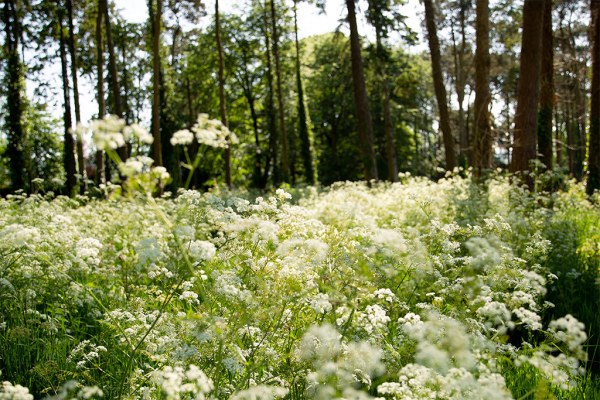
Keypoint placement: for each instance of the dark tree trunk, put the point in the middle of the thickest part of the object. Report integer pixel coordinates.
(285, 160)
(302, 113)
(544, 132)
(482, 155)
(155, 14)
(114, 74)
(15, 88)
(528, 91)
(69, 156)
(593, 182)
(100, 175)
(273, 154)
(392, 163)
(438, 83)
(460, 83)
(365, 125)
(222, 103)
(73, 53)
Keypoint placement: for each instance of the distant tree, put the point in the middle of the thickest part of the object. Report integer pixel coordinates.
(438, 82)
(524, 145)
(544, 129)
(222, 101)
(155, 14)
(14, 80)
(69, 152)
(593, 182)
(365, 124)
(74, 72)
(482, 152)
(100, 174)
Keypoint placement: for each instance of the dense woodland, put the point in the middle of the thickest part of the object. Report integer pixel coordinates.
(504, 83)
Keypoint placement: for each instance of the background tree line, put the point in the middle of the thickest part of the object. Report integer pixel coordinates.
(320, 109)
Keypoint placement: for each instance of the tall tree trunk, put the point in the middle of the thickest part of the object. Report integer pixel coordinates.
(528, 91)
(460, 82)
(482, 155)
(365, 125)
(155, 14)
(302, 112)
(114, 74)
(544, 129)
(69, 156)
(392, 163)
(73, 53)
(438, 83)
(100, 175)
(15, 89)
(285, 156)
(272, 164)
(222, 103)
(127, 112)
(593, 182)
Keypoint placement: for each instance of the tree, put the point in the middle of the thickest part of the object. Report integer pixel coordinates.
(100, 175)
(69, 154)
(303, 130)
(544, 129)
(365, 125)
(74, 71)
(155, 14)
(222, 103)
(524, 144)
(15, 103)
(285, 153)
(593, 182)
(438, 82)
(482, 155)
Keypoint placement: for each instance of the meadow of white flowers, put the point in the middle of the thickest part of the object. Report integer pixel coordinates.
(414, 290)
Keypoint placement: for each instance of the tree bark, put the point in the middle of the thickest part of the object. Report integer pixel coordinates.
(114, 74)
(69, 156)
(302, 112)
(365, 125)
(460, 82)
(392, 163)
(544, 129)
(273, 154)
(528, 90)
(285, 160)
(482, 156)
(222, 103)
(73, 54)
(156, 20)
(593, 182)
(100, 175)
(15, 88)
(438, 83)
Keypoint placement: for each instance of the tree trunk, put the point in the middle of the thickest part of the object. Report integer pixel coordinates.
(114, 74)
(272, 157)
(482, 156)
(302, 112)
(100, 175)
(544, 129)
(69, 156)
(15, 89)
(392, 163)
(156, 20)
(593, 182)
(285, 161)
(460, 84)
(73, 53)
(528, 90)
(222, 104)
(365, 125)
(438, 83)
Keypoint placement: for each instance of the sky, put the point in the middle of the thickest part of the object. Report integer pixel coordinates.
(310, 22)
